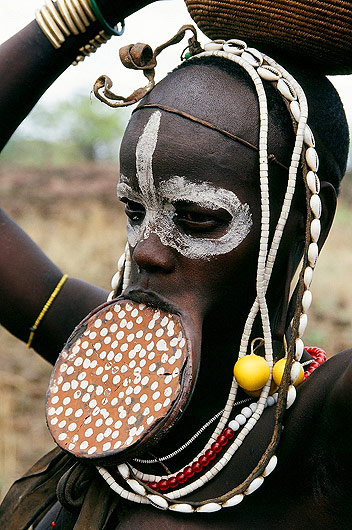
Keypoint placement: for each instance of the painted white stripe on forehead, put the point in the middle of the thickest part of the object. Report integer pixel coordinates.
(144, 156)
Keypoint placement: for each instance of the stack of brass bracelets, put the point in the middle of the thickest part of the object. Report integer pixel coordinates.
(71, 17)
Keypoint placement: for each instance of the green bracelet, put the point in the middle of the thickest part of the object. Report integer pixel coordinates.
(106, 27)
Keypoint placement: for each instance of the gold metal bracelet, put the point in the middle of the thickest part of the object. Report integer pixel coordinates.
(57, 18)
(69, 17)
(51, 24)
(80, 12)
(92, 47)
(86, 7)
(66, 16)
(41, 23)
(75, 17)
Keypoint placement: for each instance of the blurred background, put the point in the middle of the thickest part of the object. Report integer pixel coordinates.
(57, 180)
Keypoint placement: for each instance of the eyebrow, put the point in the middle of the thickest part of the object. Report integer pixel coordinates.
(171, 191)
(271, 157)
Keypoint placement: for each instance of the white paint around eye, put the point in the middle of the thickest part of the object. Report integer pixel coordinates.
(160, 212)
(207, 195)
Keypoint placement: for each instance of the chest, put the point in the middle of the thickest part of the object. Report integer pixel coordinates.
(310, 488)
(307, 490)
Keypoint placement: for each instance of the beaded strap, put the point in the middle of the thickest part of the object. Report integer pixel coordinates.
(259, 67)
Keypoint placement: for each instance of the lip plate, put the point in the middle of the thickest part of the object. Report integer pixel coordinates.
(88, 416)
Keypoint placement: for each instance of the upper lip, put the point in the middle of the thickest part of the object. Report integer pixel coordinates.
(150, 298)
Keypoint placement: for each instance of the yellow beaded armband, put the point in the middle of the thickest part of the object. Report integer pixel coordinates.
(45, 309)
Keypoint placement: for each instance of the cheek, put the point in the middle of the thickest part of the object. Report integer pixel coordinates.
(233, 279)
(227, 280)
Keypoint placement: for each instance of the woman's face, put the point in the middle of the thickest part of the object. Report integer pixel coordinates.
(193, 207)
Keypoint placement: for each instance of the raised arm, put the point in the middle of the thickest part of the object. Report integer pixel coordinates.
(29, 63)
(27, 278)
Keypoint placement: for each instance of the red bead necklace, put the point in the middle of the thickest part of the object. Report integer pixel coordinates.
(197, 465)
(319, 357)
(188, 472)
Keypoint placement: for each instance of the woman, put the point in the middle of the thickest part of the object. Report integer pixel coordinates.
(190, 179)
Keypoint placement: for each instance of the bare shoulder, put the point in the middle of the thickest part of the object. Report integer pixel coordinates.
(311, 481)
(320, 398)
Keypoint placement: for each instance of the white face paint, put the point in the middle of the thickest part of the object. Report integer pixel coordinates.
(160, 211)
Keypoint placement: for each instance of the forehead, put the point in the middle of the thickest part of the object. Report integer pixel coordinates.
(190, 149)
(186, 149)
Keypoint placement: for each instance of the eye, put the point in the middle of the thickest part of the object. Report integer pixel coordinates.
(134, 210)
(197, 220)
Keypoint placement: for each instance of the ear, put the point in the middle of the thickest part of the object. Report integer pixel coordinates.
(328, 199)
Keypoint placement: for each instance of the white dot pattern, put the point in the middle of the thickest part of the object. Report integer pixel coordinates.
(117, 372)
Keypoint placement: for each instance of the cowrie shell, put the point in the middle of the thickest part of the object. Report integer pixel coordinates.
(253, 57)
(210, 507)
(233, 501)
(315, 230)
(234, 46)
(121, 262)
(268, 73)
(158, 501)
(291, 396)
(286, 89)
(136, 486)
(183, 508)
(115, 280)
(214, 45)
(295, 109)
(307, 300)
(124, 470)
(315, 205)
(303, 321)
(308, 276)
(271, 466)
(257, 482)
(312, 159)
(313, 182)
(309, 137)
(299, 349)
(313, 252)
(295, 371)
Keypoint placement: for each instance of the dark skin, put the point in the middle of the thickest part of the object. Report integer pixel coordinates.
(218, 299)
(310, 487)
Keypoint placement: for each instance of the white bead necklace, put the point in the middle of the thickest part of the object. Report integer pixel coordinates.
(235, 424)
(258, 66)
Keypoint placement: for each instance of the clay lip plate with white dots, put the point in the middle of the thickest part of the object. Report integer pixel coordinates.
(120, 383)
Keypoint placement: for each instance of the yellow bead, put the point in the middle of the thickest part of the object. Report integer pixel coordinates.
(251, 372)
(278, 372)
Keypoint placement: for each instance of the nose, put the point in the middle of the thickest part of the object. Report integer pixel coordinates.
(151, 255)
